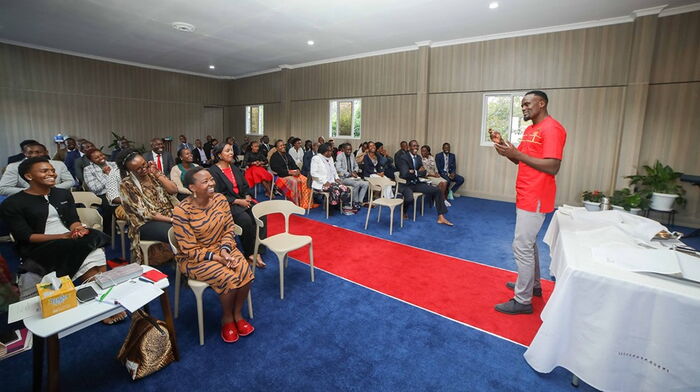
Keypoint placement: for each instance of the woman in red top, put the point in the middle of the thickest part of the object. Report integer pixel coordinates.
(231, 182)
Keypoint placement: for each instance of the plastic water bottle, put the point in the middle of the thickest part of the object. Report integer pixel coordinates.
(605, 204)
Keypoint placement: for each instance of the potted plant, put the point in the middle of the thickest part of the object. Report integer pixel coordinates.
(625, 200)
(592, 199)
(662, 181)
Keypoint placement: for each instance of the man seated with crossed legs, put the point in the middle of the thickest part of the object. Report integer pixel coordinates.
(411, 169)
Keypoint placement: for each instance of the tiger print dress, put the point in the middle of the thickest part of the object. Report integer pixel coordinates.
(203, 232)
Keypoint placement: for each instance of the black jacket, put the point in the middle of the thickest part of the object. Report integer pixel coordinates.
(225, 187)
(404, 165)
(280, 166)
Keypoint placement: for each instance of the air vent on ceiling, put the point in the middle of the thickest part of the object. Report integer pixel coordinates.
(182, 26)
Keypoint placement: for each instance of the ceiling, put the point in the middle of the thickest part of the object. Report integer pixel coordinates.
(246, 36)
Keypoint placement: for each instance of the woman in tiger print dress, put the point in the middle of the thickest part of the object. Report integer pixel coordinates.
(203, 226)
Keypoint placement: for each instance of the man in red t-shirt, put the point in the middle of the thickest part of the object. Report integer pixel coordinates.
(538, 158)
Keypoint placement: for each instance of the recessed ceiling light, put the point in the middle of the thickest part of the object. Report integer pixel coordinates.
(310, 42)
(183, 26)
(212, 67)
(493, 5)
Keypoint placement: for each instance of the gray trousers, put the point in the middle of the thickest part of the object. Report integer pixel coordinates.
(527, 225)
(359, 188)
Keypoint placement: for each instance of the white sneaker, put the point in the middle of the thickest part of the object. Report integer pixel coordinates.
(447, 203)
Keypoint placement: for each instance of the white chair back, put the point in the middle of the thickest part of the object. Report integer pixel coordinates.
(378, 183)
(88, 199)
(90, 218)
(284, 207)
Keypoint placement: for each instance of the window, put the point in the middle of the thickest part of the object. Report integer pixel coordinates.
(502, 113)
(254, 124)
(346, 118)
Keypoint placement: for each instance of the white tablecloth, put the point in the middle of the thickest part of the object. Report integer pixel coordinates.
(617, 330)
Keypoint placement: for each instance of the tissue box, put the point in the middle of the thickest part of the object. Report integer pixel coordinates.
(56, 301)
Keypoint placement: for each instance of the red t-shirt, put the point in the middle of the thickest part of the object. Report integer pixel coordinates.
(533, 187)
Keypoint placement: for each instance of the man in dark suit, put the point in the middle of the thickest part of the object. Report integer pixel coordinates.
(265, 146)
(80, 163)
(306, 166)
(122, 144)
(163, 160)
(184, 144)
(208, 145)
(200, 154)
(20, 156)
(402, 150)
(412, 171)
(447, 168)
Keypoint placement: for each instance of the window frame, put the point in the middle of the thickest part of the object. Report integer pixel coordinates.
(248, 118)
(484, 140)
(337, 102)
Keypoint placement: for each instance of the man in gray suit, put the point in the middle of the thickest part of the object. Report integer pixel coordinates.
(348, 171)
(12, 183)
(184, 144)
(164, 161)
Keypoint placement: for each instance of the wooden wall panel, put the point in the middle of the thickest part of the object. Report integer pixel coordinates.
(388, 119)
(43, 92)
(387, 74)
(677, 58)
(590, 116)
(577, 58)
(670, 135)
(258, 89)
(39, 115)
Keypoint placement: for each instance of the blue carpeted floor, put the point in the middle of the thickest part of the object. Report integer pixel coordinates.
(327, 335)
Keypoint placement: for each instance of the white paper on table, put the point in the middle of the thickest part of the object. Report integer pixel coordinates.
(132, 294)
(637, 259)
(640, 227)
(690, 266)
(23, 309)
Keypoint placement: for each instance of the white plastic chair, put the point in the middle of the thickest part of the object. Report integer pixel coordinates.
(377, 184)
(122, 232)
(88, 199)
(416, 196)
(283, 243)
(198, 287)
(90, 217)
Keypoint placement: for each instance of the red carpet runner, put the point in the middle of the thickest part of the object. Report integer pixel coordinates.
(455, 288)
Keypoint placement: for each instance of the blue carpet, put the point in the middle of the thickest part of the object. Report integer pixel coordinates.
(327, 335)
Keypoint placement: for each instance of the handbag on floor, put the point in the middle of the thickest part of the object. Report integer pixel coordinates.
(147, 347)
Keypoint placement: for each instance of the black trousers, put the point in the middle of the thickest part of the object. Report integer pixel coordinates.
(107, 212)
(243, 217)
(430, 192)
(155, 231)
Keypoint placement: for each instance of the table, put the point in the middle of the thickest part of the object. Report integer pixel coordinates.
(615, 329)
(48, 331)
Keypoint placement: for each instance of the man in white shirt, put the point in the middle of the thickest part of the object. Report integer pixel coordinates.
(348, 171)
(200, 154)
(163, 160)
(12, 183)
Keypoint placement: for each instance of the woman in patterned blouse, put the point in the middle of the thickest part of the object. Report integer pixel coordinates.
(433, 176)
(146, 195)
(203, 226)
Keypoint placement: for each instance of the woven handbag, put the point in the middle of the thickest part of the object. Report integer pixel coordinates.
(147, 347)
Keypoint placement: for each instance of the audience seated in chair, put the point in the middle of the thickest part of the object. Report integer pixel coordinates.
(183, 163)
(102, 178)
(20, 156)
(257, 173)
(432, 173)
(162, 159)
(348, 171)
(285, 167)
(148, 200)
(411, 169)
(50, 237)
(385, 160)
(297, 152)
(306, 168)
(11, 182)
(446, 163)
(372, 167)
(325, 178)
(231, 182)
(203, 227)
(82, 162)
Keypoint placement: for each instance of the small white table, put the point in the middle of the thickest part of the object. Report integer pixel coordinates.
(613, 328)
(53, 328)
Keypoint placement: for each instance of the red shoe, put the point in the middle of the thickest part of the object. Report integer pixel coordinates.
(229, 333)
(244, 327)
